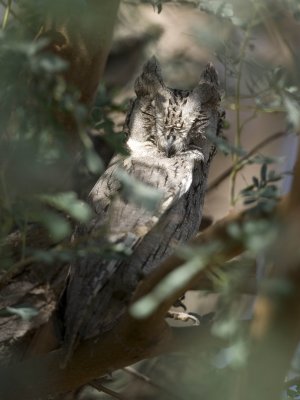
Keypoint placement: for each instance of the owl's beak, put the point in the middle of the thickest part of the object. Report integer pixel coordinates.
(170, 149)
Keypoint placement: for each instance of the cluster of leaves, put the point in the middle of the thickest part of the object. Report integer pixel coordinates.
(34, 149)
(38, 154)
(293, 392)
(263, 192)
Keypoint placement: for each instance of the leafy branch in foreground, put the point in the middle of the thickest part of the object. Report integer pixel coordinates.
(29, 145)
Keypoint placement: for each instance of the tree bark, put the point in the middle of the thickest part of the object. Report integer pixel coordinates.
(84, 41)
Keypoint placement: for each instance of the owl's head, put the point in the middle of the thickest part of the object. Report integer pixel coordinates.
(171, 120)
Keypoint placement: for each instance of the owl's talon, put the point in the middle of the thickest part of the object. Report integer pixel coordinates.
(182, 316)
(179, 303)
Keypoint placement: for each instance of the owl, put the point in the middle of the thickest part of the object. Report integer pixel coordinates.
(169, 149)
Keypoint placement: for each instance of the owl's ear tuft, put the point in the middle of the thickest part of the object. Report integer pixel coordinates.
(150, 82)
(207, 89)
(210, 75)
(152, 67)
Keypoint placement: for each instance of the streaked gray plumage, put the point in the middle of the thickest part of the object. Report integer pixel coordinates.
(169, 151)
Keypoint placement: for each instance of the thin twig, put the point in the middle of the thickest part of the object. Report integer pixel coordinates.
(17, 268)
(216, 182)
(250, 118)
(149, 381)
(238, 136)
(185, 2)
(6, 14)
(108, 391)
(11, 11)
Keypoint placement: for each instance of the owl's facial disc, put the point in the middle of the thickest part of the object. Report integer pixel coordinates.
(170, 120)
(171, 124)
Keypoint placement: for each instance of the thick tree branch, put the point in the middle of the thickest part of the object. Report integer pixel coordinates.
(82, 37)
(218, 232)
(130, 341)
(84, 40)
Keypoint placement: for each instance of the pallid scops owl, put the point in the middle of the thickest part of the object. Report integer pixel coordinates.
(168, 139)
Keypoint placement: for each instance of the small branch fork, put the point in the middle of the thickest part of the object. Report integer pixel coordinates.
(241, 162)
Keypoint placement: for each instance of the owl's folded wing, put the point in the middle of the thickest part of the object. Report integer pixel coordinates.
(121, 223)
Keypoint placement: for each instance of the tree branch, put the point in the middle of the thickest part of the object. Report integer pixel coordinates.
(131, 340)
(217, 181)
(84, 41)
(144, 378)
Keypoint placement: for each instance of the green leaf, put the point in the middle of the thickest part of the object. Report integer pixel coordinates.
(255, 181)
(277, 288)
(148, 304)
(234, 230)
(293, 111)
(259, 234)
(269, 192)
(26, 313)
(138, 192)
(93, 161)
(69, 203)
(260, 159)
(217, 7)
(263, 172)
(157, 5)
(50, 64)
(273, 176)
(250, 200)
(248, 189)
(50, 256)
(226, 124)
(174, 280)
(58, 227)
(235, 355)
(46, 257)
(225, 328)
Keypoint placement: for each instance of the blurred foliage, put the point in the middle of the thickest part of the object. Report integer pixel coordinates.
(38, 164)
(46, 147)
(254, 85)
